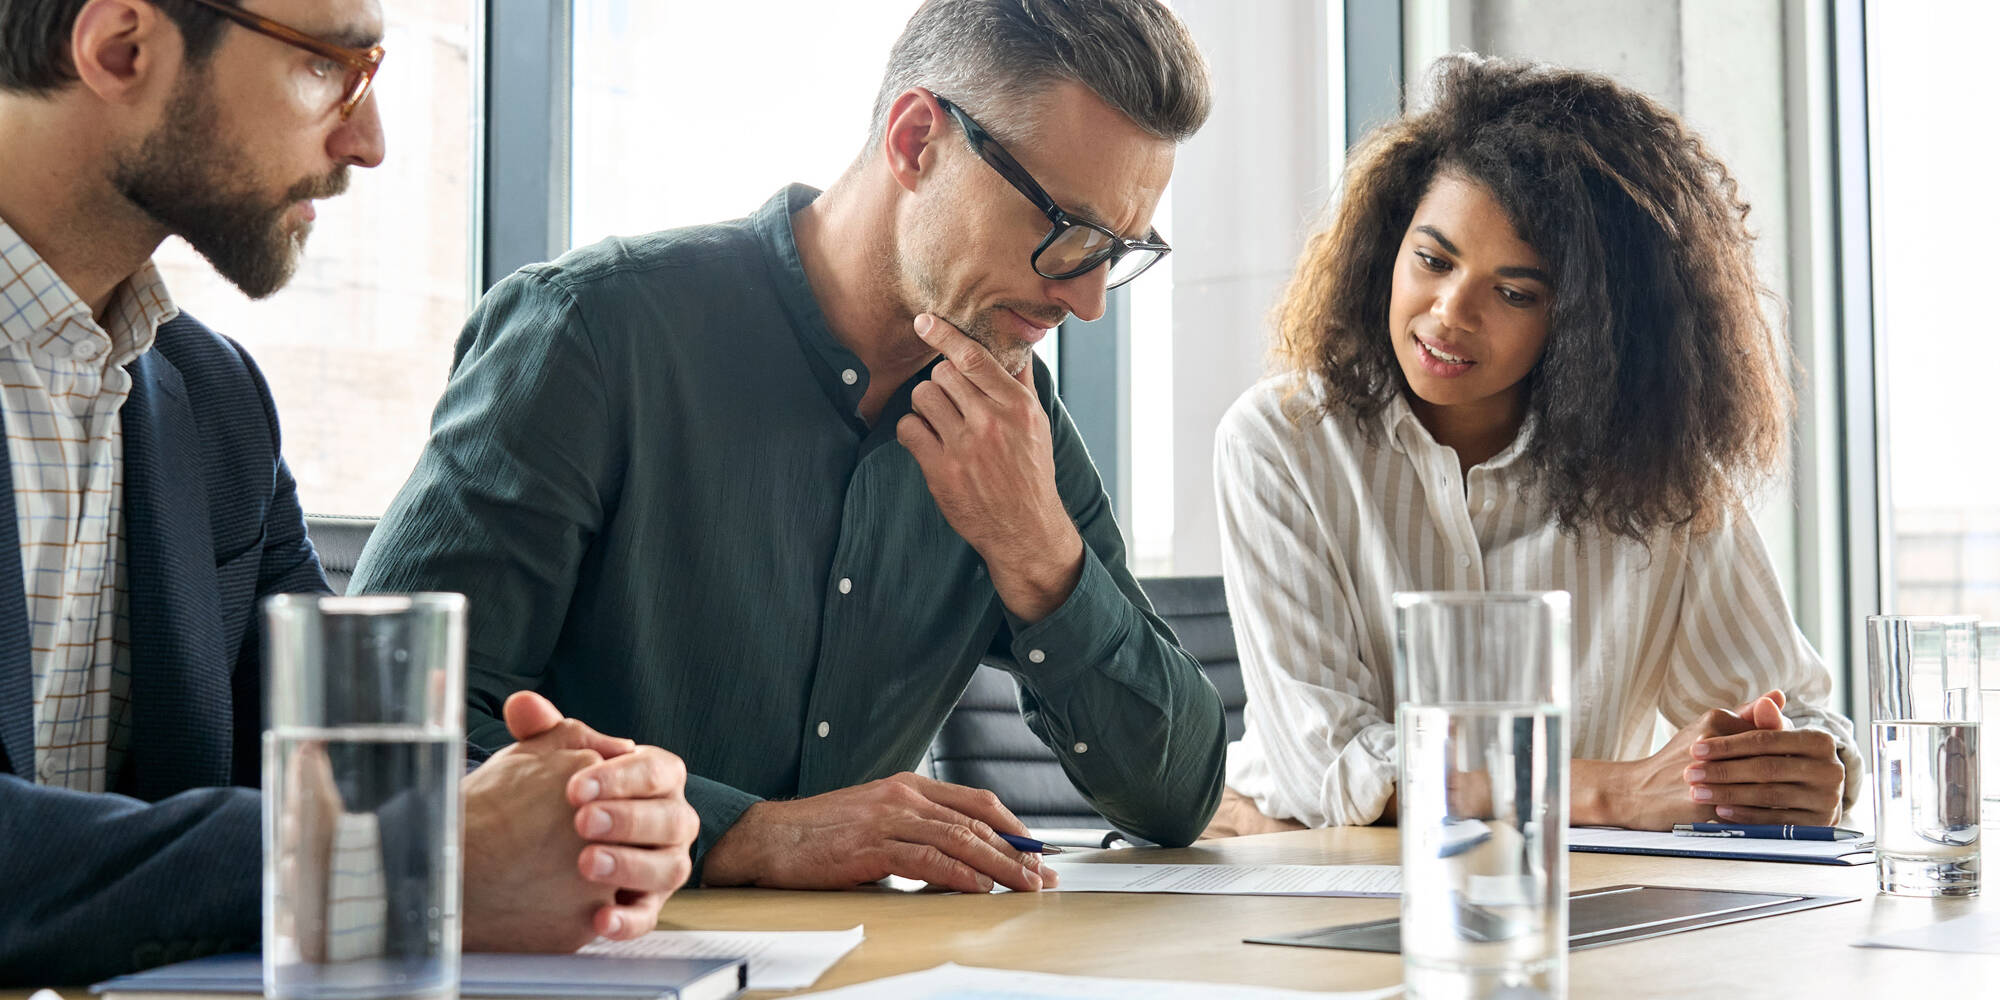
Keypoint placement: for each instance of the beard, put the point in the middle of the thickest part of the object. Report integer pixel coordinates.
(1013, 355)
(189, 180)
(918, 264)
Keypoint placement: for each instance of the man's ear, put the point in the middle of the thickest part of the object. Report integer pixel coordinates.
(122, 48)
(909, 144)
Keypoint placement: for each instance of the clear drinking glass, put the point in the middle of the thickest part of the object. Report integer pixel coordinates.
(1482, 715)
(1989, 708)
(361, 796)
(1923, 674)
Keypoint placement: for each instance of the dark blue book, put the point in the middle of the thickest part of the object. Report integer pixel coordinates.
(558, 977)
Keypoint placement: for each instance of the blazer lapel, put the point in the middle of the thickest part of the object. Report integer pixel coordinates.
(181, 699)
(17, 684)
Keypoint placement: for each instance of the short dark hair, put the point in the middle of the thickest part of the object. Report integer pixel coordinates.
(34, 40)
(989, 55)
(1662, 396)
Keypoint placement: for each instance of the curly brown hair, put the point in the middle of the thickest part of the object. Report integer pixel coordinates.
(1662, 396)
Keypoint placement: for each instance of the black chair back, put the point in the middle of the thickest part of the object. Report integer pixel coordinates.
(338, 541)
(985, 744)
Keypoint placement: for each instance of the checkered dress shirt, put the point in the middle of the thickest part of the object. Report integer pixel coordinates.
(62, 383)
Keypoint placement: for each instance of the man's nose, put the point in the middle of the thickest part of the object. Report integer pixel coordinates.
(359, 141)
(1084, 294)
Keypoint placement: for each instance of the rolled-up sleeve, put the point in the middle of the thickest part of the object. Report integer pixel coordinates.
(1737, 640)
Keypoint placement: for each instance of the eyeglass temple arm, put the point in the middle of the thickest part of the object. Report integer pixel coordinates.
(989, 149)
(361, 59)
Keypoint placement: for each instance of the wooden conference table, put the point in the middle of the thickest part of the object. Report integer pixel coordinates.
(1188, 937)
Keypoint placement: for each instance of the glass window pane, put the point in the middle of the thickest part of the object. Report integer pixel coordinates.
(357, 347)
(1150, 521)
(690, 113)
(1931, 215)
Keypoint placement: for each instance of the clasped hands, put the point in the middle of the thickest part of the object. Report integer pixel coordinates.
(1746, 766)
(570, 834)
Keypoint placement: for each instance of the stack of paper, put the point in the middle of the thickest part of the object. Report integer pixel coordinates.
(1978, 934)
(1233, 880)
(1601, 840)
(779, 960)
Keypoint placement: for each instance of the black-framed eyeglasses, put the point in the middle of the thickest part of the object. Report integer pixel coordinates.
(1073, 246)
(360, 64)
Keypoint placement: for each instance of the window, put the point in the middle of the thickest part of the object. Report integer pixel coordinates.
(1931, 211)
(673, 128)
(1149, 517)
(693, 113)
(357, 347)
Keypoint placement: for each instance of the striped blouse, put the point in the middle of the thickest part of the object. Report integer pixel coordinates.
(1322, 523)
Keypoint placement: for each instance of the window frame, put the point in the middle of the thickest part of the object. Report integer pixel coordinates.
(1859, 565)
(523, 157)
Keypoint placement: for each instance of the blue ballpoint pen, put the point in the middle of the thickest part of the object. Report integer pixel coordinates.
(1765, 831)
(1029, 844)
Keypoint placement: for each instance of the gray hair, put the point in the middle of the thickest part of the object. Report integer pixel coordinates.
(990, 56)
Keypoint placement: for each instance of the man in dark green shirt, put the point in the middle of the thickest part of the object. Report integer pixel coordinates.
(715, 488)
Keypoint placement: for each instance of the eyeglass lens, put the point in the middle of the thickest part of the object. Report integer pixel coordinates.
(1080, 248)
(1131, 266)
(1074, 249)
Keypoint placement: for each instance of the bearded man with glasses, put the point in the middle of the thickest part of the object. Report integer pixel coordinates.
(764, 492)
(151, 511)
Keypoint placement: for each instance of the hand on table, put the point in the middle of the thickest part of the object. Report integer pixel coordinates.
(1769, 774)
(538, 842)
(1651, 793)
(904, 825)
(981, 439)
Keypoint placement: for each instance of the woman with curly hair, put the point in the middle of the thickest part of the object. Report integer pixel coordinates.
(1529, 353)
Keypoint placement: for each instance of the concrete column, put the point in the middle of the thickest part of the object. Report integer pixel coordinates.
(1248, 189)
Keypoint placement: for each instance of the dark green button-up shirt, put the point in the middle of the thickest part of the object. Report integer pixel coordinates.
(648, 475)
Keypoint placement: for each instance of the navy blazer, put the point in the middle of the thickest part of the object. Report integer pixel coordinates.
(168, 865)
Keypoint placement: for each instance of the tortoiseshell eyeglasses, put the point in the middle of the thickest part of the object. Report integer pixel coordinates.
(360, 64)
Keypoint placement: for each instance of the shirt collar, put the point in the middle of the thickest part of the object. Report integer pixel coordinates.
(838, 370)
(39, 310)
(1407, 433)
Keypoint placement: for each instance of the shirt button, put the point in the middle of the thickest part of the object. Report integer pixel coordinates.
(1444, 482)
(846, 585)
(1464, 561)
(84, 351)
(1081, 747)
(849, 376)
(824, 729)
(1036, 656)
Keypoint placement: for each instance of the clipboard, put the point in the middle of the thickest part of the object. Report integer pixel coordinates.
(1597, 917)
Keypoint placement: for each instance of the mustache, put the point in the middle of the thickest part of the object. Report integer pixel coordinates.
(332, 185)
(1046, 317)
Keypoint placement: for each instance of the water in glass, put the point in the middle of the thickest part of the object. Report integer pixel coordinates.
(1927, 791)
(362, 885)
(1484, 913)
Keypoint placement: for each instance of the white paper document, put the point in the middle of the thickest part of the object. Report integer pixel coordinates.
(1977, 934)
(960, 982)
(1233, 880)
(1591, 838)
(779, 960)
